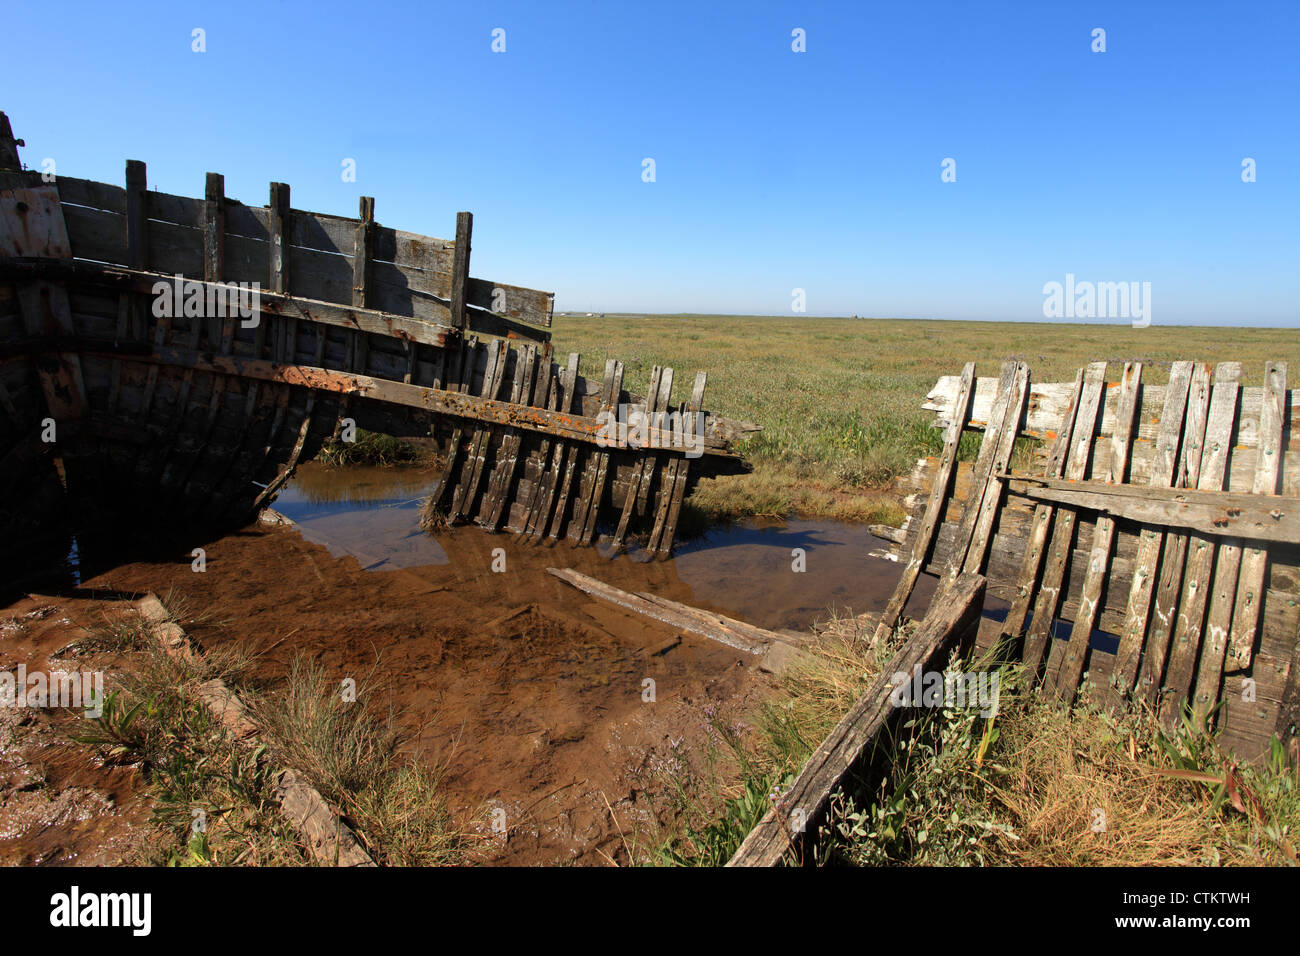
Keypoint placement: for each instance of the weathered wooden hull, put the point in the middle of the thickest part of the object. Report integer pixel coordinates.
(123, 358)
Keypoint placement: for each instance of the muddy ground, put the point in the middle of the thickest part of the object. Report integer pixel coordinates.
(60, 805)
(532, 696)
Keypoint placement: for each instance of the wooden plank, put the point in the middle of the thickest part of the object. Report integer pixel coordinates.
(93, 195)
(524, 305)
(467, 490)
(441, 495)
(661, 539)
(269, 492)
(303, 308)
(1075, 650)
(544, 502)
(993, 487)
(1254, 560)
(501, 483)
(934, 508)
(986, 465)
(1062, 541)
(715, 627)
(1169, 584)
(946, 627)
(1042, 521)
(642, 469)
(598, 466)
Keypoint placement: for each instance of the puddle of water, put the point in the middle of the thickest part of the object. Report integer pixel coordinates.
(371, 514)
(747, 570)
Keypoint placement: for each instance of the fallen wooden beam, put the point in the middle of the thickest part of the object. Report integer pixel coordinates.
(716, 627)
(1222, 513)
(797, 811)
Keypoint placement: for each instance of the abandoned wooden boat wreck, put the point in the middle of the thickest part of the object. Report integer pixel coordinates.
(174, 359)
(1146, 554)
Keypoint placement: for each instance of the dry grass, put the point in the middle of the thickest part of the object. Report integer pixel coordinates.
(154, 718)
(348, 749)
(1033, 785)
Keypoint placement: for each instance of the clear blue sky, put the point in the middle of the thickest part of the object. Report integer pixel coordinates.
(775, 170)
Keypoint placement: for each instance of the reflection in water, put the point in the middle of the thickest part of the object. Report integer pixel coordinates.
(371, 514)
(747, 570)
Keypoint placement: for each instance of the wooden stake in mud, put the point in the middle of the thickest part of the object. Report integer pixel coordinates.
(933, 508)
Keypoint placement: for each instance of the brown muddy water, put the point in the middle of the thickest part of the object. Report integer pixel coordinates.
(530, 696)
(747, 570)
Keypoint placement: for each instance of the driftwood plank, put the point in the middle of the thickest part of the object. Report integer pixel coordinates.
(934, 507)
(716, 627)
(1076, 648)
(1062, 542)
(1169, 585)
(799, 809)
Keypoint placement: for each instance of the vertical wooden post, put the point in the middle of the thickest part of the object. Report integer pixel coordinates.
(9, 146)
(460, 269)
(137, 223)
(459, 290)
(214, 246)
(279, 271)
(214, 227)
(279, 266)
(362, 246)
